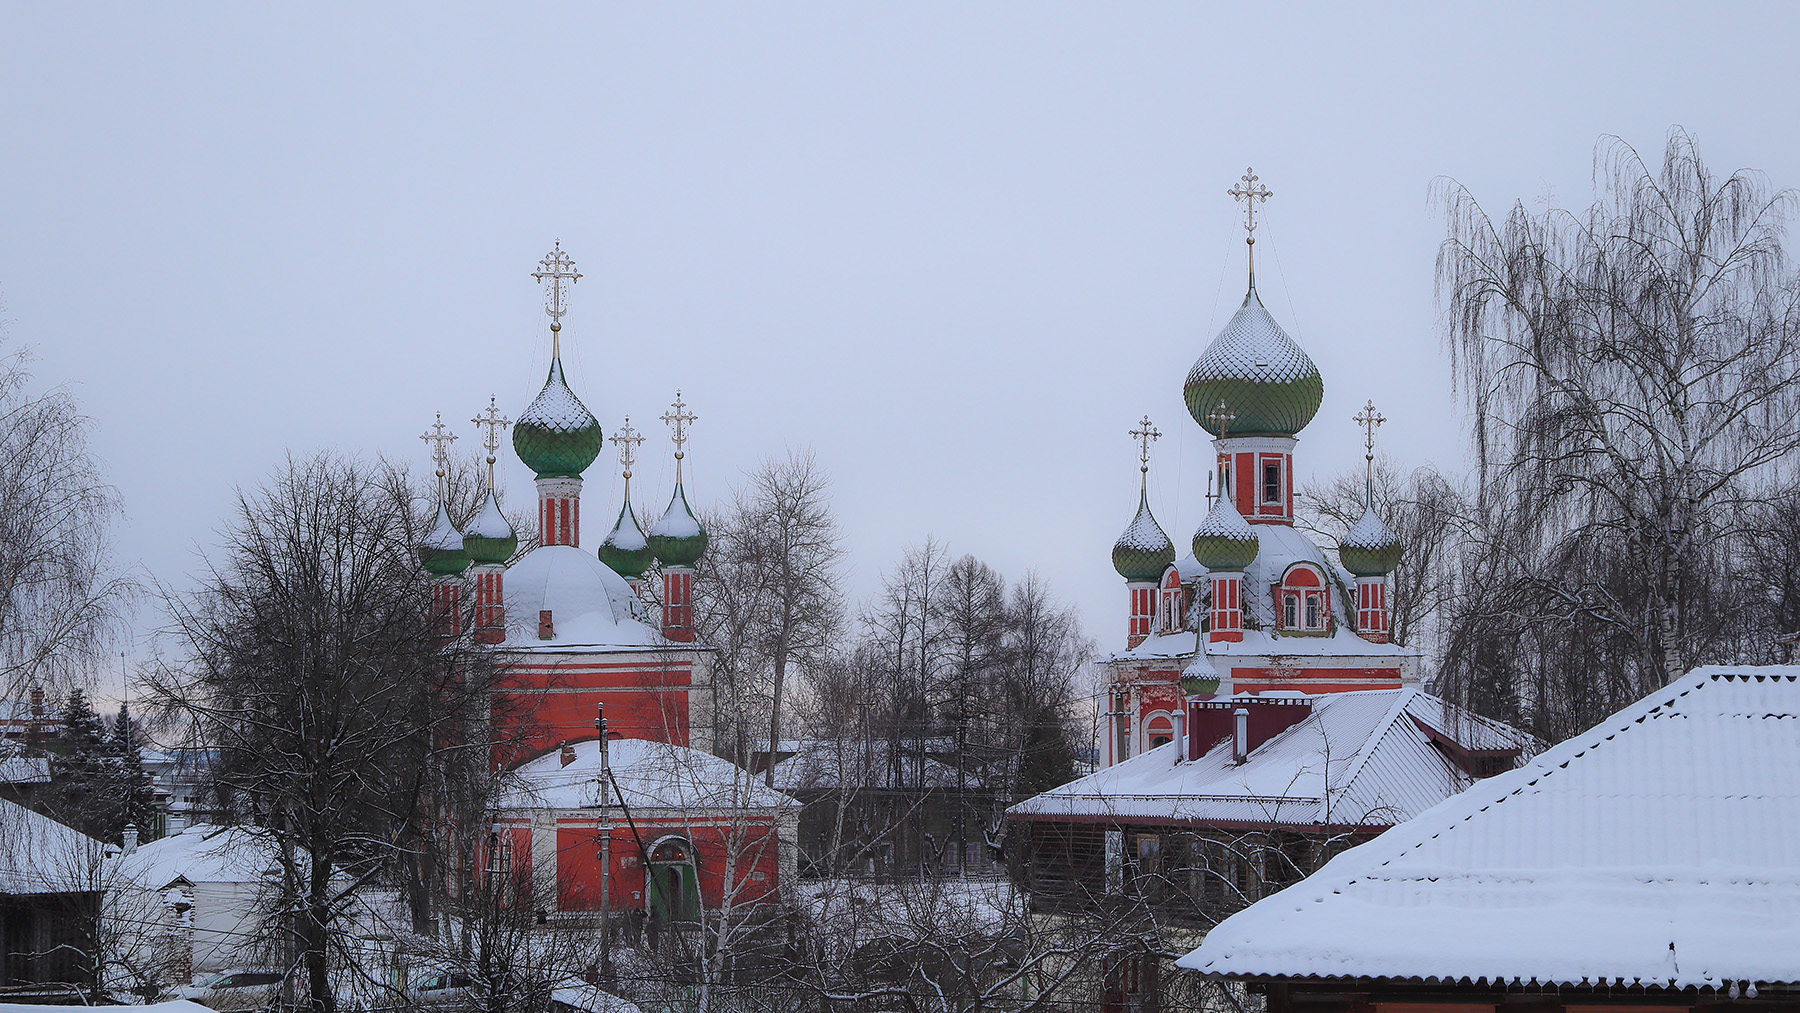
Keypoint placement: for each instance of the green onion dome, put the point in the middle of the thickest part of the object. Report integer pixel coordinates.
(1143, 552)
(626, 549)
(442, 551)
(678, 539)
(1370, 548)
(490, 538)
(1260, 374)
(557, 436)
(1224, 540)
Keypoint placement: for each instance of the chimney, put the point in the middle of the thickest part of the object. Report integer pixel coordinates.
(1240, 738)
(568, 754)
(546, 627)
(1180, 735)
(131, 836)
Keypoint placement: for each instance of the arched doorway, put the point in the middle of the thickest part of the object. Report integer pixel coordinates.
(674, 880)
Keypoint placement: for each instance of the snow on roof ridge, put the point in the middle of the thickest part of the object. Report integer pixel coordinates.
(1382, 729)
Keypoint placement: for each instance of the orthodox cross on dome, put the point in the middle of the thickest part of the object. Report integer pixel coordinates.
(1249, 189)
(440, 440)
(1145, 434)
(554, 271)
(1369, 419)
(627, 440)
(493, 422)
(1222, 417)
(678, 419)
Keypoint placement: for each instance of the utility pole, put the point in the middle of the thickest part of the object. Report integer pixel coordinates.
(605, 848)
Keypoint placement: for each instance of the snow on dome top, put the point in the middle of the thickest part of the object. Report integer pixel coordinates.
(1143, 551)
(626, 548)
(677, 538)
(1224, 540)
(1260, 374)
(590, 605)
(490, 538)
(1369, 548)
(557, 435)
(442, 550)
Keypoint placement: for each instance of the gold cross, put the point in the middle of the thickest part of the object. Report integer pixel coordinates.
(678, 419)
(1250, 190)
(493, 422)
(1145, 434)
(1369, 419)
(440, 440)
(555, 269)
(1222, 417)
(627, 440)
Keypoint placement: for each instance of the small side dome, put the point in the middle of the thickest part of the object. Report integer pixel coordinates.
(557, 436)
(442, 552)
(1143, 552)
(1260, 374)
(490, 538)
(1370, 548)
(678, 538)
(1224, 540)
(626, 549)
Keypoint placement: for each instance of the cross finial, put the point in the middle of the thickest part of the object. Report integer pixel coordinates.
(1369, 419)
(1222, 417)
(1249, 189)
(440, 439)
(492, 421)
(1145, 434)
(554, 271)
(627, 440)
(678, 419)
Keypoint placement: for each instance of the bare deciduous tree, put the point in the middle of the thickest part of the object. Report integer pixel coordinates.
(1633, 372)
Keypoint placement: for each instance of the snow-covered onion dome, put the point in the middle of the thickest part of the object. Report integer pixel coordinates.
(677, 539)
(490, 538)
(557, 435)
(1369, 548)
(441, 553)
(1260, 374)
(1224, 540)
(626, 549)
(1143, 552)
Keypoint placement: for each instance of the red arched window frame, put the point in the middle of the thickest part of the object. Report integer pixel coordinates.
(1303, 600)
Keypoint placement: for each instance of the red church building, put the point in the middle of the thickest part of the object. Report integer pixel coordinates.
(652, 822)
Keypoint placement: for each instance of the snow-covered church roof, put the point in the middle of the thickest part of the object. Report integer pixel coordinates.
(1661, 847)
(1358, 759)
(590, 605)
(650, 775)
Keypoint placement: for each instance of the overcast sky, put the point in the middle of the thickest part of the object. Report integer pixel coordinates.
(956, 249)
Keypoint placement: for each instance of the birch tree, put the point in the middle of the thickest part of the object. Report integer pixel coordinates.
(1633, 377)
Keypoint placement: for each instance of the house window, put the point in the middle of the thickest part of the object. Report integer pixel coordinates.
(1271, 484)
(1290, 611)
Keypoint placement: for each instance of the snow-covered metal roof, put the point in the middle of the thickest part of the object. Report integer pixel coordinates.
(204, 854)
(40, 855)
(1358, 759)
(650, 775)
(1660, 847)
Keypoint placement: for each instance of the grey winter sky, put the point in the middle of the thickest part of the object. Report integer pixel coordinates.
(958, 249)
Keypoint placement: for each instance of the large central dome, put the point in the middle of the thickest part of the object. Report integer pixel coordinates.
(557, 435)
(1260, 374)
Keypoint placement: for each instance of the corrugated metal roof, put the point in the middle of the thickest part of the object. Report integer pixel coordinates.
(1357, 760)
(1660, 847)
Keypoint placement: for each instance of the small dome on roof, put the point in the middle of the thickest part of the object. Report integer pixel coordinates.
(1224, 540)
(557, 435)
(490, 538)
(1258, 372)
(442, 552)
(1143, 551)
(678, 539)
(626, 548)
(1370, 548)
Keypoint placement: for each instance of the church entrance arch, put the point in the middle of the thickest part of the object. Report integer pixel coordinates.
(674, 880)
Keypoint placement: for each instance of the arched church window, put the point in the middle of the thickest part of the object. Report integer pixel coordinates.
(1159, 730)
(1304, 598)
